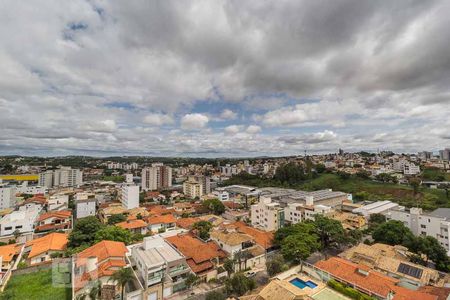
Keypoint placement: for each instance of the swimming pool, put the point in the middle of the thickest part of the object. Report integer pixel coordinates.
(302, 284)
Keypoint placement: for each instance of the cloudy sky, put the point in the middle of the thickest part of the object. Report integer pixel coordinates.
(223, 78)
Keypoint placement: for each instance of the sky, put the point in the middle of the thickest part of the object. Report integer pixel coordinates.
(223, 78)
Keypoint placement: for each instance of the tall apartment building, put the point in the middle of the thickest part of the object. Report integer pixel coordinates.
(7, 196)
(85, 205)
(192, 189)
(267, 215)
(204, 180)
(444, 154)
(156, 177)
(435, 223)
(411, 169)
(161, 268)
(130, 196)
(63, 177)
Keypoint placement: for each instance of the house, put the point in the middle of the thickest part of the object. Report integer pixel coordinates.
(112, 209)
(58, 202)
(393, 261)
(98, 262)
(202, 257)
(349, 221)
(187, 223)
(135, 226)
(54, 220)
(41, 249)
(8, 255)
(85, 205)
(161, 268)
(22, 221)
(262, 238)
(159, 223)
(368, 281)
(37, 202)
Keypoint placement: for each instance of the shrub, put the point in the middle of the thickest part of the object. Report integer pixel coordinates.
(348, 291)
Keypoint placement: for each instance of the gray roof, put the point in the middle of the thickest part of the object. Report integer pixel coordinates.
(441, 213)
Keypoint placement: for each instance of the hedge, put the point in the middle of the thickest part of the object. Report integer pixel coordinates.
(348, 291)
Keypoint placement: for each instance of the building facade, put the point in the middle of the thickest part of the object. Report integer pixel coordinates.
(63, 177)
(267, 215)
(156, 177)
(130, 196)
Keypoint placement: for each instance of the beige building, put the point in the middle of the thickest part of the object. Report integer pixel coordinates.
(156, 177)
(267, 215)
(192, 189)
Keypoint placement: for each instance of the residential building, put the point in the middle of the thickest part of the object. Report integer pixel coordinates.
(444, 154)
(435, 223)
(8, 255)
(99, 262)
(58, 202)
(37, 202)
(24, 188)
(112, 209)
(202, 257)
(366, 280)
(267, 215)
(297, 212)
(22, 221)
(7, 196)
(394, 262)
(411, 169)
(128, 178)
(130, 196)
(204, 180)
(156, 177)
(348, 220)
(54, 220)
(378, 207)
(85, 205)
(161, 268)
(134, 226)
(41, 249)
(192, 189)
(62, 177)
(221, 194)
(262, 238)
(158, 223)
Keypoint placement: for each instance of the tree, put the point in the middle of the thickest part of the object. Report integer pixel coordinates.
(203, 228)
(331, 232)
(363, 174)
(215, 295)
(275, 265)
(286, 231)
(320, 168)
(116, 218)
(343, 175)
(114, 233)
(122, 277)
(415, 184)
(432, 249)
(215, 206)
(375, 220)
(191, 280)
(238, 284)
(354, 236)
(228, 265)
(84, 231)
(299, 247)
(94, 292)
(392, 233)
(290, 174)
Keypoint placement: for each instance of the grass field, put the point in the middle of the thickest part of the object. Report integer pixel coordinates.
(37, 285)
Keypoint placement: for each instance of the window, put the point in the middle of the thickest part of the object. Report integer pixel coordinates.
(8, 228)
(423, 233)
(423, 226)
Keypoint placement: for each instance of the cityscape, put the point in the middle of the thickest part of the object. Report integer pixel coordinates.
(225, 150)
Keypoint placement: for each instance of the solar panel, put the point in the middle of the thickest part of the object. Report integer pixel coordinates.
(410, 270)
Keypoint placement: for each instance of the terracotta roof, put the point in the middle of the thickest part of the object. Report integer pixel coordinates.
(103, 250)
(372, 281)
(231, 204)
(186, 223)
(441, 292)
(46, 227)
(62, 214)
(8, 252)
(199, 252)
(40, 199)
(161, 219)
(231, 238)
(159, 210)
(262, 238)
(51, 242)
(132, 224)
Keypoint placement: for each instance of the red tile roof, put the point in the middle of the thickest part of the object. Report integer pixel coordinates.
(198, 254)
(63, 214)
(8, 252)
(373, 282)
(51, 242)
(132, 224)
(262, 238)
(187, 223)
(161, 219)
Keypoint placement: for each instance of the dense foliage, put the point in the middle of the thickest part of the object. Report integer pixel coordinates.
(215, 206)
(116, 218)
(203, 228)
(83, 233)
(239, 284)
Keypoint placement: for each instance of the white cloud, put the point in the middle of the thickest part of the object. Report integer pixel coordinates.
(228, 114)
(194, 121)
(252, 129)
(158, 119)
(233, 129)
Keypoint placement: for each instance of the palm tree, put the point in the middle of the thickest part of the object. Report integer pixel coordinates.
(95, 290)
(122, 277)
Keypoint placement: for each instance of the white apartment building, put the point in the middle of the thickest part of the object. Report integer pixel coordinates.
(23, 221)
(63, 177)
(156, 177)
(58, 202)
(435, 223)
(85, 205)
(24, 188)
(221, 194)
(161, 268)
(192, 189)
(129, 196)
(7, 196)
(297, 212)
(267, 215)
(128, 178)
(411, 169)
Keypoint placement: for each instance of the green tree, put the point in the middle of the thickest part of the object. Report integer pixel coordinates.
(215, 295)
(84, 231)
(215, 206)
(363, 174)
(228, 265)
(94, 292)
(122, 277)
(375, 220)
(238, 284)
(192, 280)
(415, 184)
(354, 236)
(392, 233)
(299, 247)
(298, 228)
(331, 232)
(275, 265)
(203, 228)
(114, 233)
(320, 168)
(116, 218)
(432, 249)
